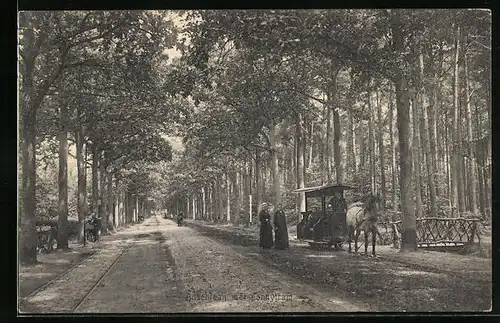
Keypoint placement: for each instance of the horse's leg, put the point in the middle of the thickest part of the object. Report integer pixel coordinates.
(374, 239)
(366, 232)
(356, 235)
(349, 237)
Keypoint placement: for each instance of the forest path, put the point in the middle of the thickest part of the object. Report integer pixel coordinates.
(159, 267)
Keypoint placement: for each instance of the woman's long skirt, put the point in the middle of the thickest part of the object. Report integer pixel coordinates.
(266, 236)
(281, 237)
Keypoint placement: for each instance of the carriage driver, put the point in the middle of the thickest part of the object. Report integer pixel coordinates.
(342, 204)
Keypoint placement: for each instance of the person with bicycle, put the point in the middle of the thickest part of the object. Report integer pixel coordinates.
(180, 217)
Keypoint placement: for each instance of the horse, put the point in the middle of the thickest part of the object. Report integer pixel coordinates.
(362, 216)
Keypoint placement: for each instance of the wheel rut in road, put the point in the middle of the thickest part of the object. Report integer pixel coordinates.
(219, 279)
(133, 274)
(143, 281)
(65, 292)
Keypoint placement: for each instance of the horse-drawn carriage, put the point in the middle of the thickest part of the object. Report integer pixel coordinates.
(324, 221)
(328, 221)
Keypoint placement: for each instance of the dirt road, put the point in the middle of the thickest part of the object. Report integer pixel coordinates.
(416, 282)
(161, 268)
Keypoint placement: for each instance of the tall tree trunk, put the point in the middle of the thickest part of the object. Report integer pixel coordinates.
(371, 145)
(293, 162)
(236, 196)
(193, 203)
(416, 158)
(381, 150)
(432, 108)
(116, 214)
(328, 143)
(133, 206)
(482, 202)
(137, 207)
(304, 152)
(82, 180)
(431, 130)
(472, 164)
(488, 172)
(393, 151)
(228, 193)
(455, 165)
(119, 201)
(461, 152)
(30, 101)
(126, 204)
(447, 153)
(351, 147)
(110, 200)
(62, 223)
(220, 199)
(462, 203)
(208, 204)
(336, 147)
(300, 164)
(102, 198)
(424, 130)
(311, 145)
(212, 202)
(258, 176)
(409, 234)
(322, 149)
(198, 205)
(95, 179)
(274, 165)
(246, 189)
(479, 165)
(362, 151)
(202, 203)
(130, 207)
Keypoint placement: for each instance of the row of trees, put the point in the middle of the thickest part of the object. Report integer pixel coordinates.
(363, 97)
(266, 101)
(88, 79)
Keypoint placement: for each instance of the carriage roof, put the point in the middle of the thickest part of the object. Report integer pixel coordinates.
(322, 190)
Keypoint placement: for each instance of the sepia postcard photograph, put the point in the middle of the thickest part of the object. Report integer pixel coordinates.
(254, 161)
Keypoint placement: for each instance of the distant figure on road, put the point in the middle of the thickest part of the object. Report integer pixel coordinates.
(180, 217)
(280, 229)
(266, 230)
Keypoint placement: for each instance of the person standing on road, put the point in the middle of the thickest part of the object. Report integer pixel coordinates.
(180, 217)
(280, 229)
(266, 230)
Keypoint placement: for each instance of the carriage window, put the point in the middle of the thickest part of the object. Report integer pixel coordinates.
(314, 202)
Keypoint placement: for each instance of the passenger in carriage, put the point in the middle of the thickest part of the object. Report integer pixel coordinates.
(342, 204)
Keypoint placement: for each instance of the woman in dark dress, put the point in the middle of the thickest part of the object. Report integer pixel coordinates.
(266, 230)
(280, 229)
